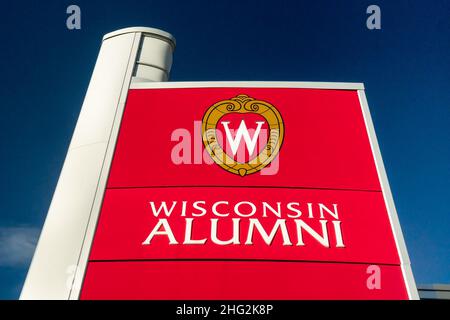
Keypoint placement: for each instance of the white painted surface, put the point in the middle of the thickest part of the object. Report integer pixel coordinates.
(157, 33)
(60, 258)
(250, 84)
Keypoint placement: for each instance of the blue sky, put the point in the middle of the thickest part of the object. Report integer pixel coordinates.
(405, 67)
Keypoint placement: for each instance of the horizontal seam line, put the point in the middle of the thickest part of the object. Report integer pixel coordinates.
(242, 260)
(433, 290)
(262, 187)
(87, 145)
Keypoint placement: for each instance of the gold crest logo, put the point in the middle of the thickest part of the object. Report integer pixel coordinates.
(243, 104)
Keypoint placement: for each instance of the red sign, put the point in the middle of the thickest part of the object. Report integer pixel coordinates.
(244, 193)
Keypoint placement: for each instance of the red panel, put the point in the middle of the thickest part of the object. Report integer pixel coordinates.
(238, 280)
(127, 219)
(325, 158)
(325, 144)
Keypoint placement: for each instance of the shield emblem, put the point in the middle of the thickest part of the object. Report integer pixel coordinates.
(242, 135)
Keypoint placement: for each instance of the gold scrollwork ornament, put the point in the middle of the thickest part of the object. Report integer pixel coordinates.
(242, 104)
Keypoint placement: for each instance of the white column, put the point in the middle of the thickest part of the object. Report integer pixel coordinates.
(60, 258)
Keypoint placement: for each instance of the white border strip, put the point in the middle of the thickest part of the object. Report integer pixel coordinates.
(389, 201)
(56, 261)
(103, 179)
(249, 84)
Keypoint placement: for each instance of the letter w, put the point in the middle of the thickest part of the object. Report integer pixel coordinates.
(162, 206)
(242, 132)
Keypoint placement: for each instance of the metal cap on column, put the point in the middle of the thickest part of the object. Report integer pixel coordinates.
(60, 258)
(154, 58)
